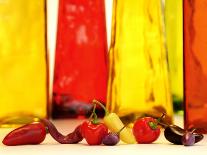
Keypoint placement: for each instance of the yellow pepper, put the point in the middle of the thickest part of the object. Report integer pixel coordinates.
(114, 124)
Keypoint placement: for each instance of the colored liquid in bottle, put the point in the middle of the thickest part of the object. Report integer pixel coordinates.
(138, 82)
(81, 58)
(195, 64)
(23, 72)
(174, 39)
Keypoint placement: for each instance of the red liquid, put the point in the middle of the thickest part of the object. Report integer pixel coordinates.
(81, 57)
(195, 64)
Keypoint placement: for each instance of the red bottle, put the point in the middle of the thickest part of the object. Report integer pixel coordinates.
(81, 57)
(195, 64)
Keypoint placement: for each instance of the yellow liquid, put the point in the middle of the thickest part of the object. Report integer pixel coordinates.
(138, 75)
(174, 39)
(23, 78)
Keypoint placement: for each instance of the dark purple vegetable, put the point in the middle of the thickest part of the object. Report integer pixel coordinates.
(188, 139)
(71, 138)
(174, 134)
(111, 139)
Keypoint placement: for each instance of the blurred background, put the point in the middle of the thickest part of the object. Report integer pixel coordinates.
(56, 56)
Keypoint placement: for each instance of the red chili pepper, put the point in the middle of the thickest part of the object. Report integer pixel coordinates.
(93, 131)
(146, 130)
(33, 133)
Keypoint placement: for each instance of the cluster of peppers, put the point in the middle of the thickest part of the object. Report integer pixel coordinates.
(145, 130)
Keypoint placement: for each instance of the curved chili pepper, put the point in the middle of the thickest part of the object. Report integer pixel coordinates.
(33, 133)
(71, 138)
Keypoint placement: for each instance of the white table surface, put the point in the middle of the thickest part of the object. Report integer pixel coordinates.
(51, 147)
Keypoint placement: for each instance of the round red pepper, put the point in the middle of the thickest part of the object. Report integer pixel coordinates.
(146, 130)
(33, 133)
(93, 133)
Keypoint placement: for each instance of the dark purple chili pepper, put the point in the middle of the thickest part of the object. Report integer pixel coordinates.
(71, 138)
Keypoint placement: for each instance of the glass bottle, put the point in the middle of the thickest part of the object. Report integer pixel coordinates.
(195, 64)
(23, 71)
(81, 58)
(138, 71)
(174, 41)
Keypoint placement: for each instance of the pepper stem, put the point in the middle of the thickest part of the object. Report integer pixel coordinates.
(94, 116)
(193, 130)
(153, 125)
(102, 106)
(160, 118)
(121, 129)
(92, 113)
(95, 119)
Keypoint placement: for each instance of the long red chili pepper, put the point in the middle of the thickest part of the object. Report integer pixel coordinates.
(33, 133)
(71, 138)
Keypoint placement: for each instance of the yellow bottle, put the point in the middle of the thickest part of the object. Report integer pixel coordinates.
(138, 71)
(174, 40)
(23, 72)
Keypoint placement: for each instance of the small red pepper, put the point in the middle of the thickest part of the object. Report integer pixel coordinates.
(146, 130)
(94, 131)
(33, 133)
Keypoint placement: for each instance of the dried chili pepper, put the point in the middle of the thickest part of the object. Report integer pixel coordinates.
(71, 138)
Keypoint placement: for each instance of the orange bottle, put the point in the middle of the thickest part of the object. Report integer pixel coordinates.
(195, 64)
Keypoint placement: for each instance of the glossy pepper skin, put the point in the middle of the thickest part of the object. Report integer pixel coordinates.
(93, 133)
(33, 133)
(146, 130)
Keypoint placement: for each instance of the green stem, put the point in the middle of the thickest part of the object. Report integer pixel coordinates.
(94, 116)
(94, 108)
(153, 125)
(95, 119)
(102, 106)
